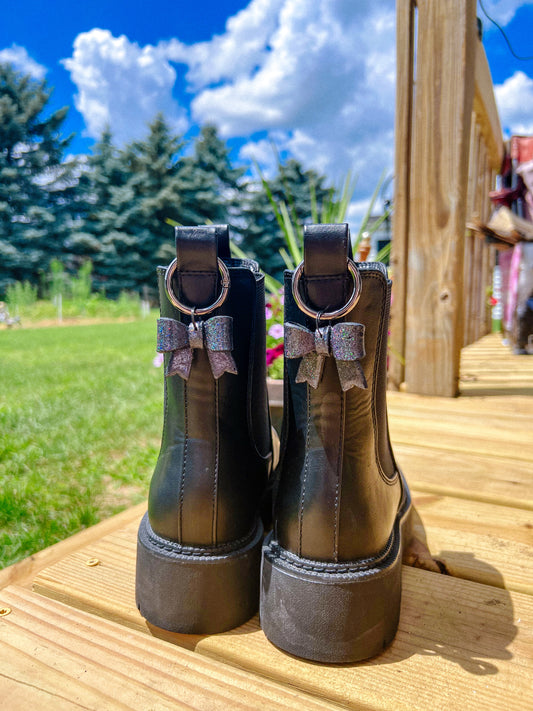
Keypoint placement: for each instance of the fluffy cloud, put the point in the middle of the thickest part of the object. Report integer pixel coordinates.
(515, 104)
(263, 152)
(242, 48)
(322, 74)
(121, 85)
(19, 57)
(318, 77)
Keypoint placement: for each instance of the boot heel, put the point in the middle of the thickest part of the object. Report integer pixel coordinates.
(332, 612)
(197, 591)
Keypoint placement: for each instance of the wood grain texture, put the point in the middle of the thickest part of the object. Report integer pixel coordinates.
(460, 434)
(442, 116)
(405, 41)
(468, 259)
(477, 446)
(63, 658)
(448, 143)
(466, 476)
(460, 644)
(487, 543)
(465, 639)
(486, 109)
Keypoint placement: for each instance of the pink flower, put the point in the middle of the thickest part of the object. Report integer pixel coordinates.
(158, 360)
(273, 354)
(268, 313)
(276, 330)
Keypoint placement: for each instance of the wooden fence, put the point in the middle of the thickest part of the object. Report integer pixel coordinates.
(448, 149)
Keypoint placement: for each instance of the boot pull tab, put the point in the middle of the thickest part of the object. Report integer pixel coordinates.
(222, 237)
(199, 272)
(202, 282)
(327, 283)
(326, 268)
(196, 279)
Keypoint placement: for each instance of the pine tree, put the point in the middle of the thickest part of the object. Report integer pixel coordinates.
(103, 233)
(261, 235)
(130, 195)
(151, 196)
(210, 185)
(34, 184)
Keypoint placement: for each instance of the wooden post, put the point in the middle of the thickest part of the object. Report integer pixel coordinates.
(446, 54)
(405, 39)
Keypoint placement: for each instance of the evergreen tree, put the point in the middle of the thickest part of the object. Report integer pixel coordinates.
(103, 233)
(261, 235)
(151, 196)
(129, 196)
(210, 185)
(34, 184)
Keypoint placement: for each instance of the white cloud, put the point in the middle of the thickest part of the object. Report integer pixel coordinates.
(317, 77)
(322, 74)
(263, 152)
(242, 48)
(502, 11)
(122, 85)
(21, 60)
(515, 104)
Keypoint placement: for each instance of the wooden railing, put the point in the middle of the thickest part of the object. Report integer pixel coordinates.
(448, 148)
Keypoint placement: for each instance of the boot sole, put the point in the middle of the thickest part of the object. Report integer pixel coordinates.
(338, 612)
(200, 590)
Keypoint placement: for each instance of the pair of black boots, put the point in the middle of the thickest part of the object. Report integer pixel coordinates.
(327, 578)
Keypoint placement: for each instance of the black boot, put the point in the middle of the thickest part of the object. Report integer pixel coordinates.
(198, 553)
(331, 577)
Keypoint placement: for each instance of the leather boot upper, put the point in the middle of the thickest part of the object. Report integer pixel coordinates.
(216, 446)
(338, 487)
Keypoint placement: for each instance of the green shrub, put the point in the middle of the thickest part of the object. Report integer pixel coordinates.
(20, 296)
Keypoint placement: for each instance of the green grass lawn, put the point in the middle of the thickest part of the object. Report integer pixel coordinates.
(80, 425)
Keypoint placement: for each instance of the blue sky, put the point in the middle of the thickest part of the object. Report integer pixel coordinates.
(317, 76)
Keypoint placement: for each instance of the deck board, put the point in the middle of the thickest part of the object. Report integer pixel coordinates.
(59, 657)
(478, 541)
(465, 639)
(464, 643)
(494, 480)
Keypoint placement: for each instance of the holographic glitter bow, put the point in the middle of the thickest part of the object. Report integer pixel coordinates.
(215, 335)
(344, 341)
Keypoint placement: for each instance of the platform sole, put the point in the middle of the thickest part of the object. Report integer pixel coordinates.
(197, 590)
(334, 613)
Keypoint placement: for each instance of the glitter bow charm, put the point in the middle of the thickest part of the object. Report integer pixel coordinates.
(344, 341)
(214, 335)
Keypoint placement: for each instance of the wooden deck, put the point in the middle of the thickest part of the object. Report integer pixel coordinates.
(74, 639)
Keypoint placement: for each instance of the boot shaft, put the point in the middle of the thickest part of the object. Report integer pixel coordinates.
(216, 446)
(338, 487)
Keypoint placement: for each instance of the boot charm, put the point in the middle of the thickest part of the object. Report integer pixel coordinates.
(215, 335)
(344, 341)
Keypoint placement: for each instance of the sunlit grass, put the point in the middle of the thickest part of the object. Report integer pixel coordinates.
(80, 423)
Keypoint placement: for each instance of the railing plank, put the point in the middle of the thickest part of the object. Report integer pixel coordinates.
(447, 131)
(405, 41)
(443, 107)
(486, 110)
